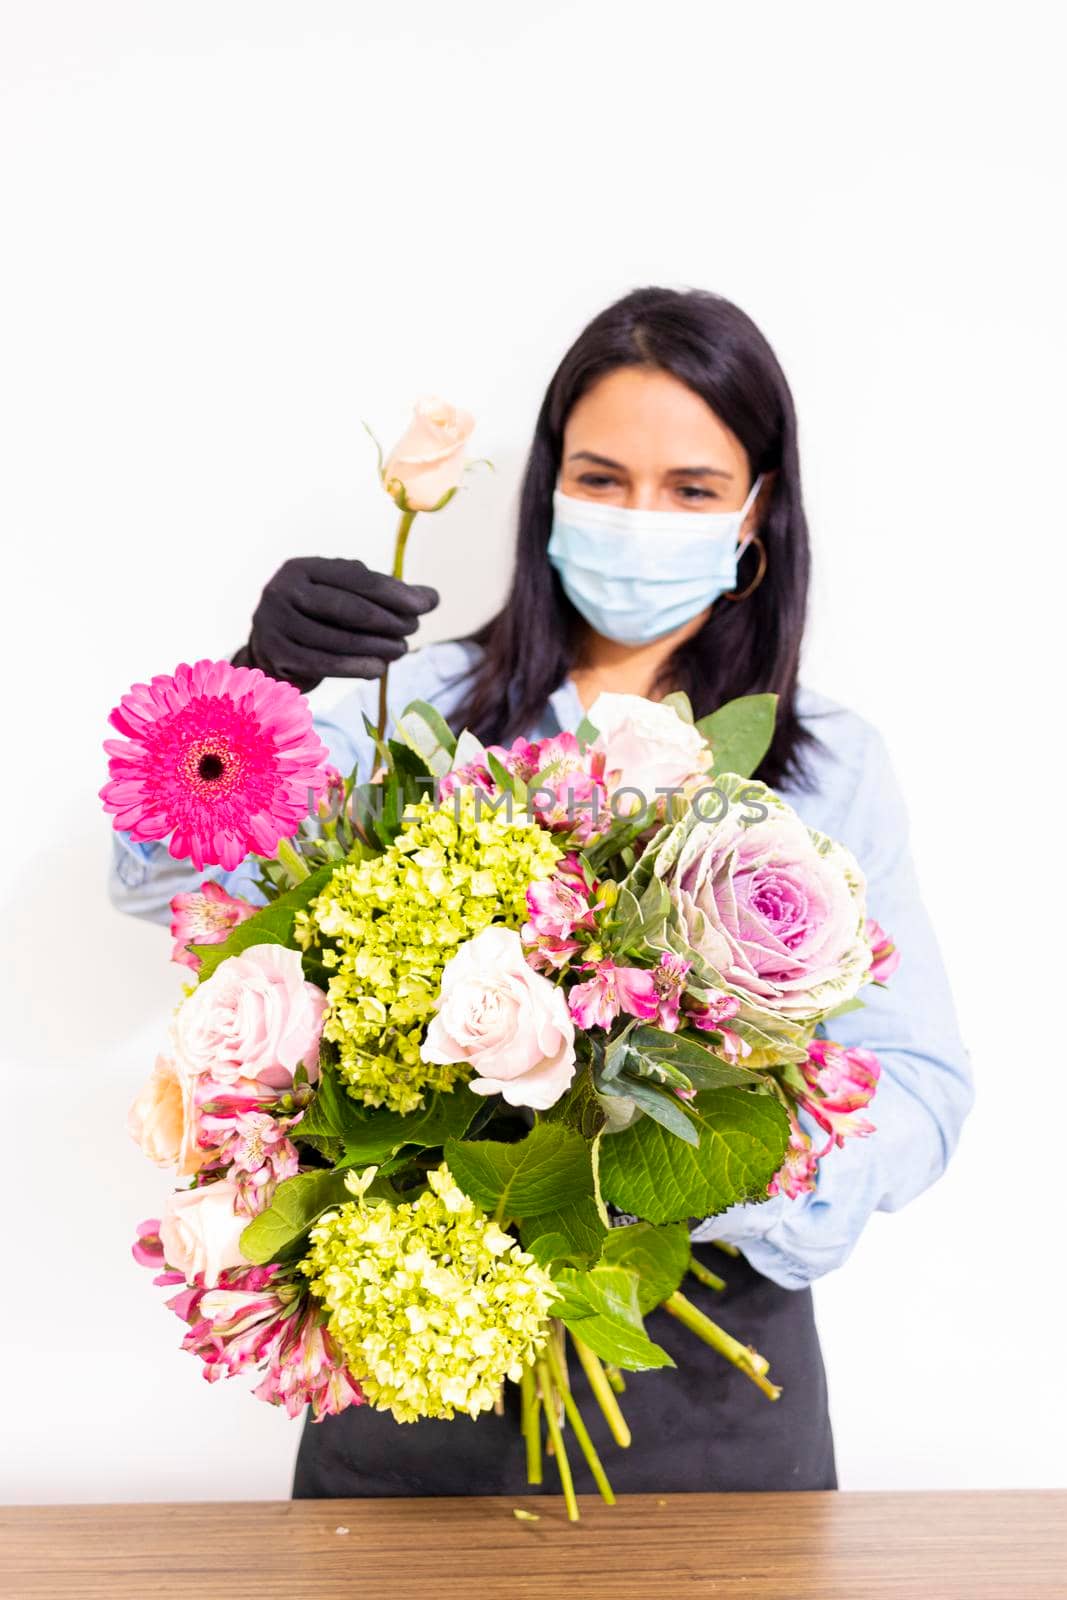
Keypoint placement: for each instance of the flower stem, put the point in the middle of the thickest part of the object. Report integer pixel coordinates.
(403, 529)
(602, 1389)
(704, 1275)
(581, 1432)
(293, 863)
(743, 1357)
(727, 1249)
(531, 1425)
(615, 1378)
(556, 1436)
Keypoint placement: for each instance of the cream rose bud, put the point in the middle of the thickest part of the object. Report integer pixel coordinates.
(429, 460)
(200, 1231)
(255, 1017)
(646, 746)
(162, 1120)
(508, 1021)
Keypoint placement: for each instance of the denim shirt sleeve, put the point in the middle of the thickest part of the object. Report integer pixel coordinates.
(144, 877)
(926, 1086)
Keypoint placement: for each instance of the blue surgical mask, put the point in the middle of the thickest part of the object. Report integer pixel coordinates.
(636, 575)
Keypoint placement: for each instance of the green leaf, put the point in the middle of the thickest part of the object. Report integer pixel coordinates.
(445, 1117)
(550, 1168)
(272, 925)
(296, 1205)
(423, 728)
(679, 703)
(602, 1306)
(580, 1107)
(659, 1256)
(647, 1171)
(572, 1233)
(662, 1105)
(740, 733)
(586, 732)
(655, 1053)
(635, 923)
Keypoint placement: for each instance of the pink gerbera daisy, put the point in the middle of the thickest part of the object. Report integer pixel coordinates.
(222, 758)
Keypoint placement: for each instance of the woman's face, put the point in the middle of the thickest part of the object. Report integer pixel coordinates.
(640, 438)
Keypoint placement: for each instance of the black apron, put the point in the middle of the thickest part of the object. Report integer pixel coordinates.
(700, 1426)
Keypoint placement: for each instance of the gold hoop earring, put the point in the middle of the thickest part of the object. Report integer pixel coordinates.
(743, 594)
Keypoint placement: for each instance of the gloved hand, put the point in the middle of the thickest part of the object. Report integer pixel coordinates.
(321, 618)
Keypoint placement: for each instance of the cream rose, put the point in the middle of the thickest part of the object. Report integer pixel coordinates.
(200, 1231)
(162, 1120)
(646, 746)
(508, 1021)
(255, 1017)
(428, 461)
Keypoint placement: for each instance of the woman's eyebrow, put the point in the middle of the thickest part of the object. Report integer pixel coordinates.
(702, 472)
(601, 461)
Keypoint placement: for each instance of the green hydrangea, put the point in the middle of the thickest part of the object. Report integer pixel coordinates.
(432, 1304)
(387, 926)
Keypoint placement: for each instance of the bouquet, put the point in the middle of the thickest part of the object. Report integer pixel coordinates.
(442, 1108)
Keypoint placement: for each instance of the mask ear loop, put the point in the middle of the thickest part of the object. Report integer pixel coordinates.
(743, 594)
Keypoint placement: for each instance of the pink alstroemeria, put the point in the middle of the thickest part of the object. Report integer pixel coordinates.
(570, 795)
(256, 1315)
(204, 916)
(845, 1081)
(796, 1175)
(710, 1016)
(332, 800)
(669, 978)
(521, 759)
(563, 902)
(597, 1001)
(147, 1251)
(306, 1368)
(260, 1155)
(885, 957)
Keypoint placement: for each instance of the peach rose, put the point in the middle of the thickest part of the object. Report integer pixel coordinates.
(427, 463)
(200, 1231)
(162, 1120)
(255, 1017)
(508, 1021)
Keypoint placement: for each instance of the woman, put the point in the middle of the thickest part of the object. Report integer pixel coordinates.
(662, 545)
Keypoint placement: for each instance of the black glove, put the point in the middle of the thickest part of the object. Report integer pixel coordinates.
(332, 619)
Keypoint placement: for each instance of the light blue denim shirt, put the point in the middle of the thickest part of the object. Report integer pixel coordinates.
(926, 1088)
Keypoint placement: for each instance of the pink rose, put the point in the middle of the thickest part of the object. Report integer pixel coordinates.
(774, 908)
(508, 1021)
(163, 1120)
(646, 746)
(255, 1017)
(427, 463)
(200, 1230)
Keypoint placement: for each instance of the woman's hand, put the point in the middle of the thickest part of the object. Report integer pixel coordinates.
(320, 618)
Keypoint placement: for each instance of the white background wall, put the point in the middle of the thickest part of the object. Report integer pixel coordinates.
(233, 230)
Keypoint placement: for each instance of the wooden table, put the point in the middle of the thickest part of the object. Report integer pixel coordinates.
(975, 1546)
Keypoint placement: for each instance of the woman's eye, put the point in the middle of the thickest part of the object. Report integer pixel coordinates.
(596, 480)
(690, 491)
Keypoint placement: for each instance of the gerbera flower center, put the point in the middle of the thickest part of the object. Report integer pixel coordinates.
(210, 767)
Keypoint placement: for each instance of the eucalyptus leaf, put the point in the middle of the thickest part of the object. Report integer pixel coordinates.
(662, 1105)
(422, 727)
(740, 733)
